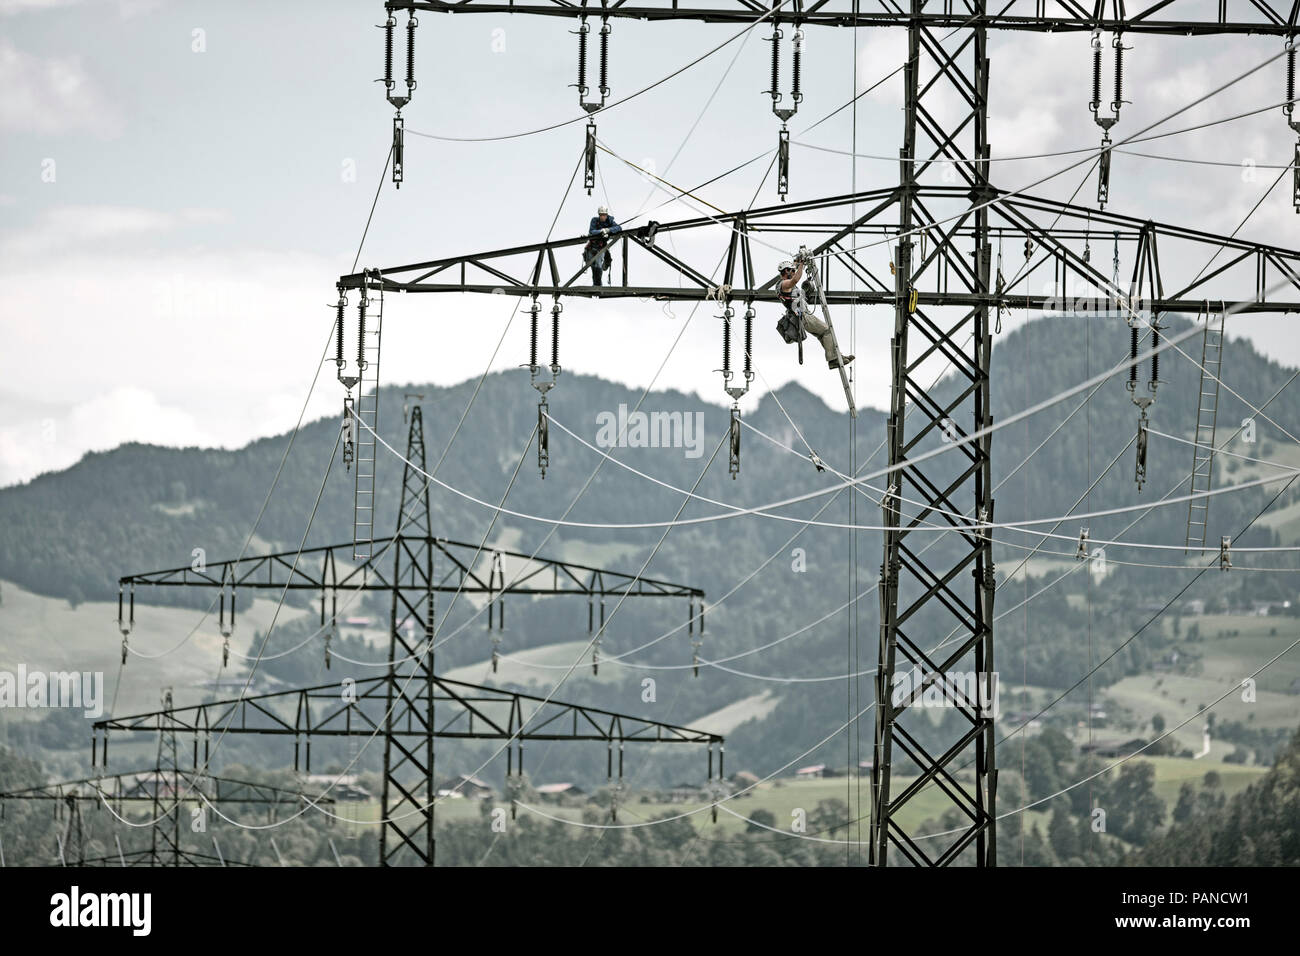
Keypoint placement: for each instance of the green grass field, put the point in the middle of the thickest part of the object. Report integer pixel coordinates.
(782, 796)
(48, 634)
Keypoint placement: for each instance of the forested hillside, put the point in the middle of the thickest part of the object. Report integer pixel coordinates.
(72, 534)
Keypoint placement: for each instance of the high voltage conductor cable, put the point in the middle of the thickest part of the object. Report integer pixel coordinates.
(1150, 620)
(762, 510)
(801, 756)
(1092, 154)
(1002, 195)
(695, 125)
(1229, 454)
(1006, 478)
(844, 727)
(585, 117)
(1178, 484)
(749, 577)
(805, 753)
(850, 103)
(1078, 150)
(825, 617)
(974, 527)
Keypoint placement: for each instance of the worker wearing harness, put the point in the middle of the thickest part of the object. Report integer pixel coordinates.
(602, 226)
(799, 318)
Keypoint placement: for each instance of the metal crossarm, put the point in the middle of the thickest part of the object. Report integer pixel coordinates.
(141, 786)
(1244, 271)
(467, 569)
(1161, 17)
(467, 711)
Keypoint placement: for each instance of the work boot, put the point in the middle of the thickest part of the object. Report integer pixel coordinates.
(835, 363)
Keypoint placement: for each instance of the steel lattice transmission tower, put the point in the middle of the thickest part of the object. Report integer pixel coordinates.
(163, 790)
(409, 706)
(939, 216)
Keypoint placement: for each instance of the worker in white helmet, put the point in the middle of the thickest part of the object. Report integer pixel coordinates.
(595, 252)
(799, 316)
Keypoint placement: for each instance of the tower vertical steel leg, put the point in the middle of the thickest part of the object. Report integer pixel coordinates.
(914, 593)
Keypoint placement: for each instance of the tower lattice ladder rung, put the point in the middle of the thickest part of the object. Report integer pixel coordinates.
(367, 411)
(1207, 415)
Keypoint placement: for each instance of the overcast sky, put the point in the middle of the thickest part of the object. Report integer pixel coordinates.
(177, 194)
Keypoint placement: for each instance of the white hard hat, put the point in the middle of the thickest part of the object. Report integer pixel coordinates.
(785, 264)
(603, 211)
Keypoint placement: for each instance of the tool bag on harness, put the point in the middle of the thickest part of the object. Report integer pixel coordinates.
(790, 326)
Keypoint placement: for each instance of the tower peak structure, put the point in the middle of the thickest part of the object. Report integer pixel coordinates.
(936, 225)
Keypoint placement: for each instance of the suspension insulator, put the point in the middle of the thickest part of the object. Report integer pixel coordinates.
(555, 336)
(399, 150)
(797, 68)
(361, 332)
(589, 160)
(338, 331)
(749, 342)
(543, 439)
(1118, 43)
(775, 91)
(726, 344)
(532, 335)
(388, 52)
(783, 163)
(583, 30)
(348, 447)
(1155, 357)
(1096, 73)
(1140, 463)
(1295, 173)
(604, 60)
(1103, 174)
(411, 24)
(733, 466)
(1132, 358)
(1290, 78)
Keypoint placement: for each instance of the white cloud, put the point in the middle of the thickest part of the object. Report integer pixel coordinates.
(126, 8)
(122, 414)
(51, 95)
(70, 228)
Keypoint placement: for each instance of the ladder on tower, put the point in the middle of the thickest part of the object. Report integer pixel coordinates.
(367, 412)
(1207, 413)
